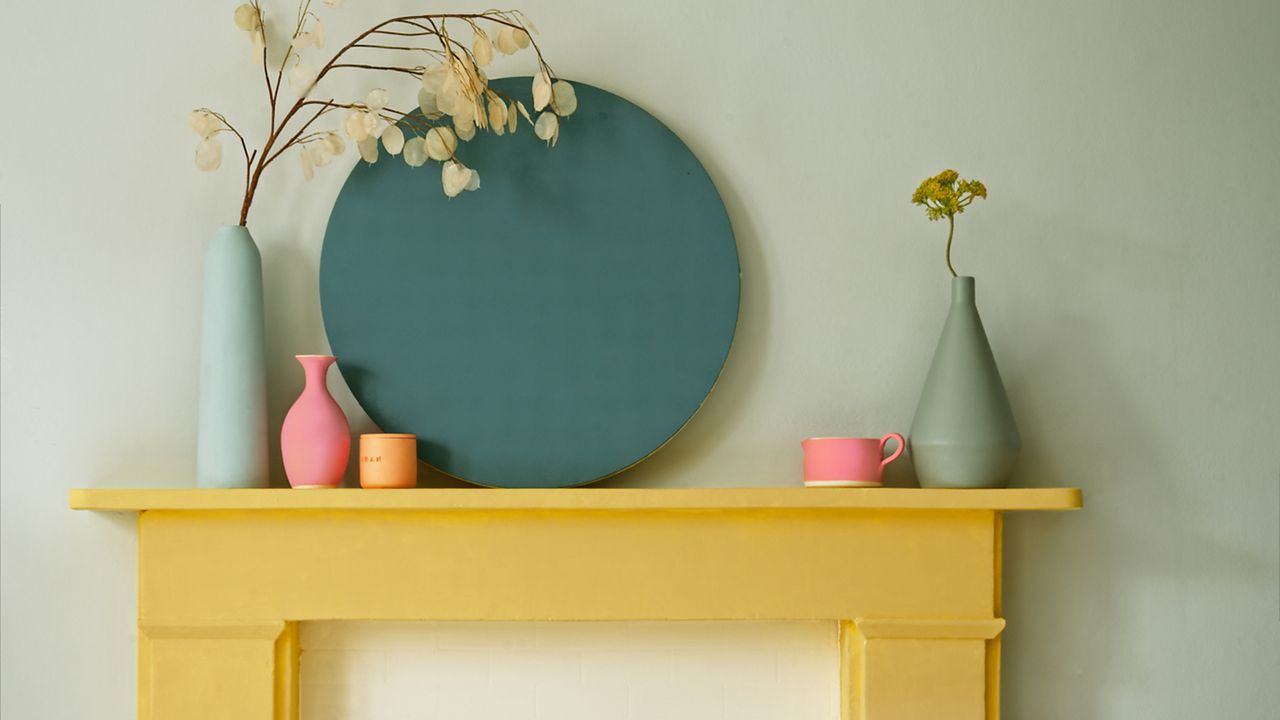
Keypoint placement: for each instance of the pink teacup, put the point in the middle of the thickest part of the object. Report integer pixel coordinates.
(847, 462)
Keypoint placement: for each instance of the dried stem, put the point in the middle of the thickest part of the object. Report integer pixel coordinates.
(430, 51)
(271, 95)
(393, 68)
(264, 157)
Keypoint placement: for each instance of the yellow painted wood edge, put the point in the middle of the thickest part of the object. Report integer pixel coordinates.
(997, 604)
(918, 629)
(288, 665)
(616, 499)
(851, 686)
(230, 631)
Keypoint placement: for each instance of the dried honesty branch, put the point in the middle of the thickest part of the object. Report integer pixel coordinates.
(393, 139)
(203, 122)
(547, 128)
(415, 154)
(453, 103)
(541, 90)
(208, 154)
(457, 177)
(313, 38)
(440, 143)
(247, 18)
(564, 98)
(301, 78)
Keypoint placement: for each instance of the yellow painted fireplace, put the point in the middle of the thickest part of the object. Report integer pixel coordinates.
(912, 576)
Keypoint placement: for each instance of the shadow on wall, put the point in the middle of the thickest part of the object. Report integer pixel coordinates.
(293, 322)
(742, 370)
(294, 326)
(1080, 588)
(1060, 570)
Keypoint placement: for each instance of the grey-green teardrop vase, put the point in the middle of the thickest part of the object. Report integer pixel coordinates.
(963, 435)
(231, 445)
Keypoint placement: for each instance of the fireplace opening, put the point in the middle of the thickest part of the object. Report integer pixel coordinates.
(569, 671)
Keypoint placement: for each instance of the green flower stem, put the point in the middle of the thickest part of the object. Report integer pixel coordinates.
(946, 195)
(951, 229)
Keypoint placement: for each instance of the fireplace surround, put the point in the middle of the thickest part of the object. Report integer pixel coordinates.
(912, 576)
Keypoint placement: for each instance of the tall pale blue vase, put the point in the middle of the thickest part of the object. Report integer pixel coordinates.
(963, 434)
(231, 447)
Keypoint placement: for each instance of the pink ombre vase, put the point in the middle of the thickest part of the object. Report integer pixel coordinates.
(315, 440)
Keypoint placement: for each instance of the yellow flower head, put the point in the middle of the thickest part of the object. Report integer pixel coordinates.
(946, 195)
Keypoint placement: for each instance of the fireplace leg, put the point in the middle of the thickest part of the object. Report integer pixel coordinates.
(236, 672)
(919, 669)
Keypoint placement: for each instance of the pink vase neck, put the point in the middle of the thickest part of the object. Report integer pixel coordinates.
(316, 369)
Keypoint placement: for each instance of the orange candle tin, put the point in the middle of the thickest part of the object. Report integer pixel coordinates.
(388, 460)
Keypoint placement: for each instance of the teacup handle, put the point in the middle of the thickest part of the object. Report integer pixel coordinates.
(901, 444)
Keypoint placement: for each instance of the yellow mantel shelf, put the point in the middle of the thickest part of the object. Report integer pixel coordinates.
(782, 498)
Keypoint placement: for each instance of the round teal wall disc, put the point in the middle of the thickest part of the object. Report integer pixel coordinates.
(550, 329)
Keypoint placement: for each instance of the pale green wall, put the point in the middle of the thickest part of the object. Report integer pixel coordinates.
(1127, 264)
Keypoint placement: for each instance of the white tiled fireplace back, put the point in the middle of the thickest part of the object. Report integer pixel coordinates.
(570, 671)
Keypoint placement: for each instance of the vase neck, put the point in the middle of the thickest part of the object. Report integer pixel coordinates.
(962, 290)
(234, 231)
(316, 368)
